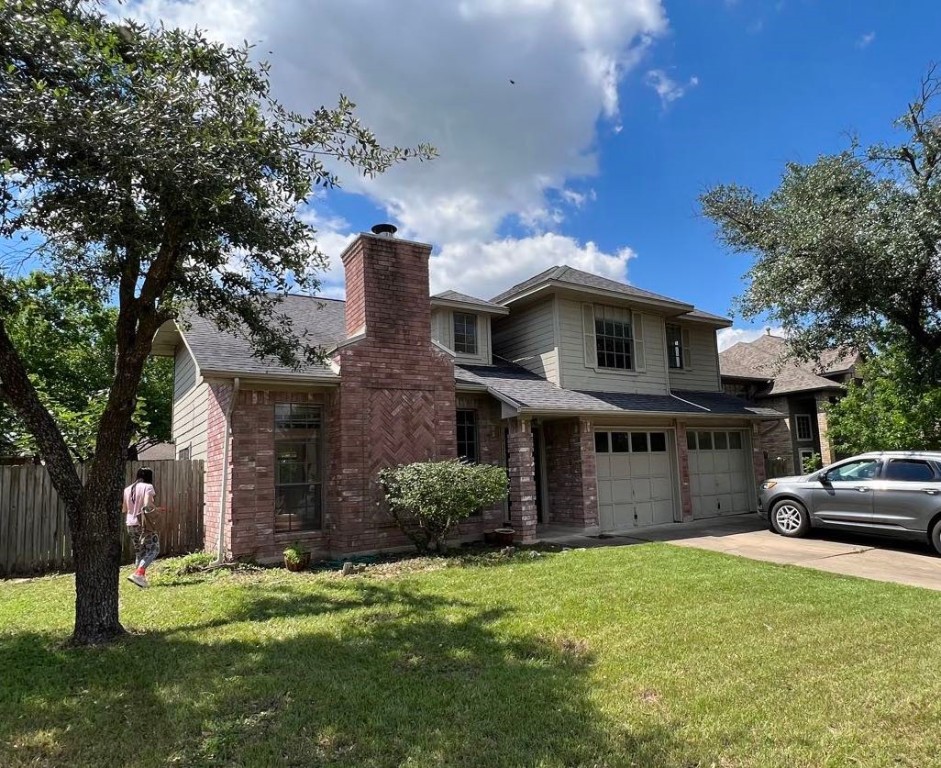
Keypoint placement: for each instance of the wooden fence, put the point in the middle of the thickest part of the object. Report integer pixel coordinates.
(34, 532)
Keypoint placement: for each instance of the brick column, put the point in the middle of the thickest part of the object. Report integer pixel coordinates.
(758, 454)
(682, 455)
(522, 479)
(826, 450)
(589, 474)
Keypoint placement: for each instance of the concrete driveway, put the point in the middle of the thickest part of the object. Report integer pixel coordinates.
(901, 562)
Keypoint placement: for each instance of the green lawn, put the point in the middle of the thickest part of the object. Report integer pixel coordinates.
(646, 655)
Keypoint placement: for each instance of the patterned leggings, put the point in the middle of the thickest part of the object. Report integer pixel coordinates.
(146, 545)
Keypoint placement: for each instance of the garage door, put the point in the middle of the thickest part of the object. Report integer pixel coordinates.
(719, 473)
(635, 479)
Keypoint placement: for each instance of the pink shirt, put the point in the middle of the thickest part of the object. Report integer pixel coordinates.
(136, 497)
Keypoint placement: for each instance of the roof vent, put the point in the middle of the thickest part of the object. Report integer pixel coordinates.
(385, 230)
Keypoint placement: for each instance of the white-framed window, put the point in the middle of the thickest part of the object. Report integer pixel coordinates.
(465, 333)
(678, 348)
(614, 338)
(805, 454)
(804, 428)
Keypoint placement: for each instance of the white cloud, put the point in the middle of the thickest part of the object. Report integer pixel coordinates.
(729, 336)
(668, 89)
(864, 40)
(441, 72)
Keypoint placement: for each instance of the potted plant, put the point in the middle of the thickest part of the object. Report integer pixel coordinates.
(296, 558)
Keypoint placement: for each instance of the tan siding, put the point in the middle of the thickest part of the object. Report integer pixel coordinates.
(703, 372)
(528, 338)
(575, 374)
(442, 331)
(190, 406)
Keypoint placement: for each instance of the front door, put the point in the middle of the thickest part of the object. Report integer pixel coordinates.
(846, 497)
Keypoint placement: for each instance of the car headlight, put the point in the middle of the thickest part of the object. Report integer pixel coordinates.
(768, 485)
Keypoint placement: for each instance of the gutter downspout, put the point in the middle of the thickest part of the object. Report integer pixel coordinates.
(220, 549)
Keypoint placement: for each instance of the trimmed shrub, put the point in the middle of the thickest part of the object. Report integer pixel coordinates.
(428, 499)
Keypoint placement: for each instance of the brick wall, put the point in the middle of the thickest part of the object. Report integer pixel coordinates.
(492, 451)
(396, 399)
(775, 438)
(571, 476)
(220, 393)
(253, 531)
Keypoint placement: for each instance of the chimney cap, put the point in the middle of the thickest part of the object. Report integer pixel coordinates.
(384, 230)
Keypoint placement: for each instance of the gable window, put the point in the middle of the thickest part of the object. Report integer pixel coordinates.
(298, 480)
(614, 345)
(805, 432)
(465, 333)
(468, 445)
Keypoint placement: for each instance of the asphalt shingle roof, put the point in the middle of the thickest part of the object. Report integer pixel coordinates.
(572, 276)
(321, 322)
(532, 392)
(463, 298)
(768, 358)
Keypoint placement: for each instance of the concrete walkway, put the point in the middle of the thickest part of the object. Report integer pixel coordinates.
(902, 562)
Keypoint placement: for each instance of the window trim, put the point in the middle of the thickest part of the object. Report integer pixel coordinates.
(677, 344)
(455, 314)
(635, 322)
(321, 468)
(810, 427)
(890, 461)
(476, 434)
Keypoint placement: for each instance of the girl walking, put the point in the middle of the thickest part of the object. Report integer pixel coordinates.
(139, 500)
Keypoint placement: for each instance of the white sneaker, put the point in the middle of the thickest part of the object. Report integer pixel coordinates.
(139, 580)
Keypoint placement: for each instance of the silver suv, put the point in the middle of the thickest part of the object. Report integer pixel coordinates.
(892, 493)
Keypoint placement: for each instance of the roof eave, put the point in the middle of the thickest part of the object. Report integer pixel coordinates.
(678, 307)
(470, 307)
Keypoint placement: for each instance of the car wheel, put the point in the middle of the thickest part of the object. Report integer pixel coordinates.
(790, 518)
(936, 536)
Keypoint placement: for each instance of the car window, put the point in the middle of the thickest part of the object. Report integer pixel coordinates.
(909, 470)
(864, 469)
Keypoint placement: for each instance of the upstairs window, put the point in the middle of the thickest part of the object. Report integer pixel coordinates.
(677, 347)
(465, 333)
(613, 339)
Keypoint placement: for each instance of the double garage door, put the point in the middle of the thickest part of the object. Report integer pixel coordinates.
(636, 476)
(719, 472)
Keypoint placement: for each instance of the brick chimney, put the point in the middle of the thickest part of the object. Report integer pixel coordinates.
(396, 399)
(387, 288)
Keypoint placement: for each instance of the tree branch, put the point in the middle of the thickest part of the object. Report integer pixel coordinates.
(19, 391)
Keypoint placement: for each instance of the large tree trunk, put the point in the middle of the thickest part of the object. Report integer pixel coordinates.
(96, 549)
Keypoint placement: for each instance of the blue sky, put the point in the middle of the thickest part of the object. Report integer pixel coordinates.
(620, 113)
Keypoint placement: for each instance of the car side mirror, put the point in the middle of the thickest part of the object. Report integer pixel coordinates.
(822, 477)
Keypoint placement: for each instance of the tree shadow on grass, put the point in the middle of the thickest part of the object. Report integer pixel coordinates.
(392, 678)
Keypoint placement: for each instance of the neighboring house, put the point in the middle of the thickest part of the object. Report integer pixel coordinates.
(158, 452)
(763, 371)
(602, 400)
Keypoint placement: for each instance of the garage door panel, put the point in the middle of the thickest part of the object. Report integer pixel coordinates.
(720, 482)
(635, 486)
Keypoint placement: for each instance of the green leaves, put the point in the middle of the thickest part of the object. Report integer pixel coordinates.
(847, 247)
(892, 407)
(428, 499)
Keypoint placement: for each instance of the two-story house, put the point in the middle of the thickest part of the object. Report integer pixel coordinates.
(603, 401)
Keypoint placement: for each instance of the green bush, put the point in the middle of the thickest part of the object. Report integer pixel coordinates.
(194, 562)
(428, 499)
(811, 463)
